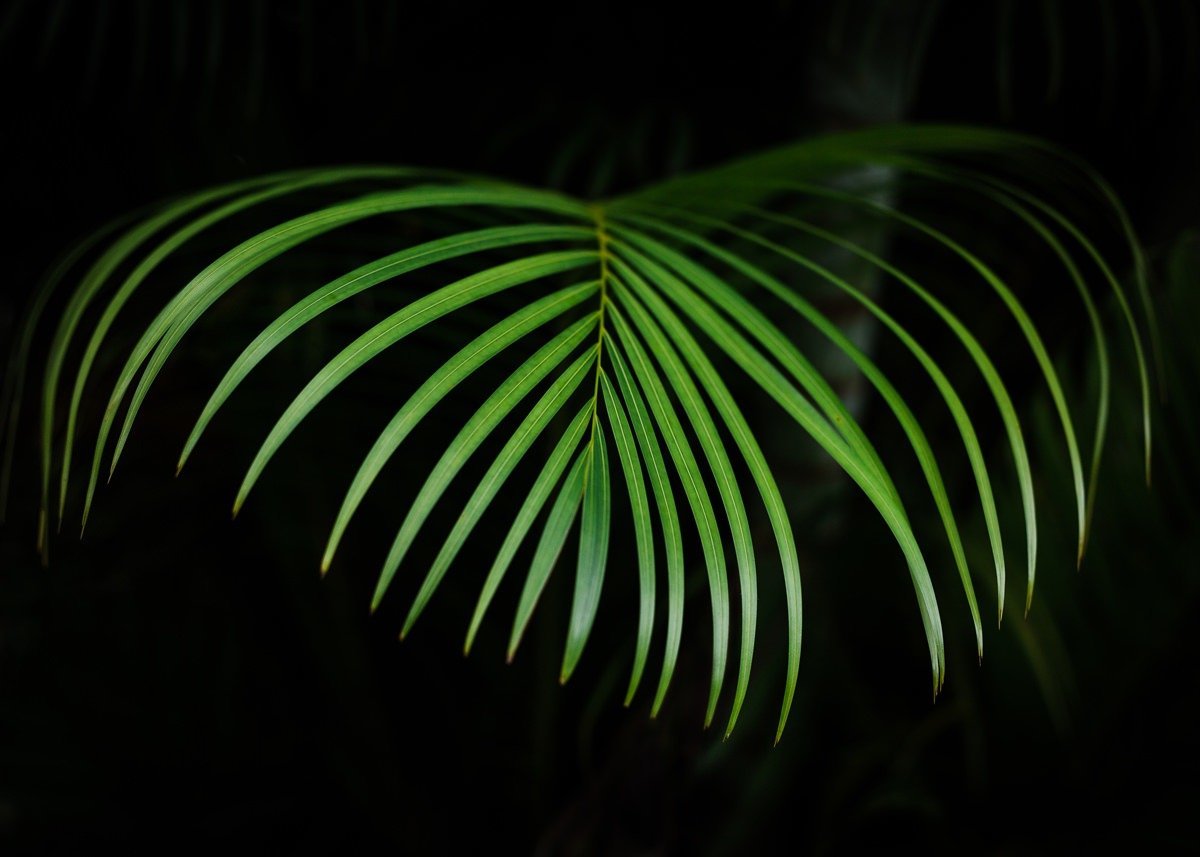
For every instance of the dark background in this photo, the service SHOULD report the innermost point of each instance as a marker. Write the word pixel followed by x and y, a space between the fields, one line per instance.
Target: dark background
pixel 178 680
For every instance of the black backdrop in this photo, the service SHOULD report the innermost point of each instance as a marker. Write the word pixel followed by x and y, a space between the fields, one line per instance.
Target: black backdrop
pixel 179 680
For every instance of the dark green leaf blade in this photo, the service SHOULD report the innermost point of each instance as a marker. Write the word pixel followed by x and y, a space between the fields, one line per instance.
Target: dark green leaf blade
pixel 593 549
pixel 275 187
pixel 692 480
pixel 539 493
pixel 357 281
pixel 774 342
pixel 448 376
pixel 668 518
pixel 550 545
pixel 182 312
pixel 493 480
pixel 394 328
pixel 16 371
pixel 643 526
pixel 664 350
pixel 480 426
pixel 712 383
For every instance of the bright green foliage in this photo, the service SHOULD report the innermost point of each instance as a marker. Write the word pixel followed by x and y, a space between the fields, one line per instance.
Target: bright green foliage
pixel 637 327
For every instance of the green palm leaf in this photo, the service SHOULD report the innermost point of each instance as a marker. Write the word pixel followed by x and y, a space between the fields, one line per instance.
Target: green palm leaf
pixel 124 248
pixel 355 282
pixel 593 550
pixel 556 463
pixel 1018 312
pixel 643 527
pixel 17 370
pixel 665 348
pixel 668 518
pixel 508 458
pixel 625 314
pixel 393 329
pixel 978 355
pixel 173 322
pixel 691 477
pixel 484 421
pixel 554 536
pixel 744 438
pixel 748 316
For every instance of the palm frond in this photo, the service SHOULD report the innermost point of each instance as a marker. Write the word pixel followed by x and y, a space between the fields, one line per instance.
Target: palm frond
pixel 638 324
